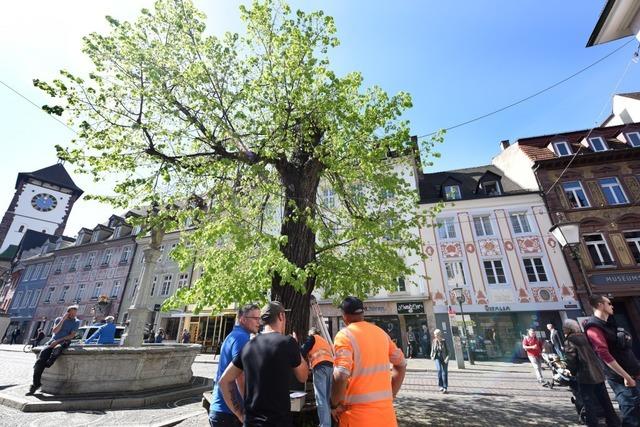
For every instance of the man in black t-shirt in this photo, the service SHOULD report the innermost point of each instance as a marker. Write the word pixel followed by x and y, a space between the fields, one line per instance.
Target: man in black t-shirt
pixel 267 362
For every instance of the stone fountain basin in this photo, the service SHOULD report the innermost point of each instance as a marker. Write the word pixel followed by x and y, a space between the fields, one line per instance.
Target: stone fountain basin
pixel 91 369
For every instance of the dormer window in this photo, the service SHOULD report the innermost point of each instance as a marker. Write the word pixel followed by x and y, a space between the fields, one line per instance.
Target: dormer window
pixel 452 192
pixel 597 144
pixel 491 188
pixel 562 148
pixel 633 138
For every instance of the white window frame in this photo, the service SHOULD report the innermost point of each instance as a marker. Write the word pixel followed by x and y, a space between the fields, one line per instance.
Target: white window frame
pixel 90 259
pixel 445 225
pixel 521 219
pixel 183 280
pixel 36 297
pixel 600 140
pixel 538 270
pixel 497 184
pixel 36 271
pixel 454 272
pixel 610 187
pixel 115 289
pixel 46 270
pixel 26 299
pixel 49 295
pixel 494 271
pixel 17 300
pixel 630 139
pixel 28 271
pixel 106 257
pixel 401 284
pixel 74 262
pixel 154 282
pixel 566 145
pixel 136 282
pixel 63 294
pixel 161 250
pixel 96 291
pixel 126 254
pixel 484 225
pixel 79 292
pixel 573 192
pixel 329 198
pixel 633 241
pixel 166 285
pixel 455 196
pixel 596 245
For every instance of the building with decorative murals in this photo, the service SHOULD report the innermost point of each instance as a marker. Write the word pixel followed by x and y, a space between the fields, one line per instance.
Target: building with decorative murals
pixel 491 239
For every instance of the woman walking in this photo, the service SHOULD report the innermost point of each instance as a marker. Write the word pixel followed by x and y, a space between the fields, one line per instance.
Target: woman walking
pixel 440 354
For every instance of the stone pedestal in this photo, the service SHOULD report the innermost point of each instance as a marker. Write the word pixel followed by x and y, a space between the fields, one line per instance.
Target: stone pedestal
pixel 94 369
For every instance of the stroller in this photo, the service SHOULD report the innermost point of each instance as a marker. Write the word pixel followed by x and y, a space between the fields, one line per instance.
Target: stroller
pixel 560 375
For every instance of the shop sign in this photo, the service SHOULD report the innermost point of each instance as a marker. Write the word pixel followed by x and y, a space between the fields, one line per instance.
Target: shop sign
pixel 615 279
pixel 374 308
pixel 410 307
pixel 492 308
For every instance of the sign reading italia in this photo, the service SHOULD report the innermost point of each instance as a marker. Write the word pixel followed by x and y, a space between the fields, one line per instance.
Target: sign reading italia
pixel 497 308
pixel 615 279
pixel 410 307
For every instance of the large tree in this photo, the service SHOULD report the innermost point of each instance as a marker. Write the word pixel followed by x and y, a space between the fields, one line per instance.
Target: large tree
pixel 285 169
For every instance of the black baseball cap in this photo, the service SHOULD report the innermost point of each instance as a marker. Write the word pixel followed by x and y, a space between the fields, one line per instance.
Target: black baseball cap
pixel 352 305
pixel 271 310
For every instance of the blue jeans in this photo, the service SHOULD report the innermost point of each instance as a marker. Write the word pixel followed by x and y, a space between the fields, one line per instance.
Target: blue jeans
pixel 443 375
pixel 223 419
pixel 629 401
pixel 322 378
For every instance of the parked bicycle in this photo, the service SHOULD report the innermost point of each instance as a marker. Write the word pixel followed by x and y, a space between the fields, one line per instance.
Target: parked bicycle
pixel 28 346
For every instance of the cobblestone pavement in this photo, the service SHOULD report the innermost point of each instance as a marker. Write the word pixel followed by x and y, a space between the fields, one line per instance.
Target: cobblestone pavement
pixel 487 394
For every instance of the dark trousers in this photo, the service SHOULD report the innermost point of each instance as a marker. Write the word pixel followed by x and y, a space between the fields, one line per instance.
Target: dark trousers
pixel 222 419
pixel 629 401
pixel 595 396
pixel 46 359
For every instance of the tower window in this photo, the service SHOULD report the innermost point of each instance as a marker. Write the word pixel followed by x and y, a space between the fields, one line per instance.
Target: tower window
pixel 21 229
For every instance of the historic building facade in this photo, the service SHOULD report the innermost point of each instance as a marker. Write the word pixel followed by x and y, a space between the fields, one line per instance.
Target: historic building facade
pixel 592 177
pixel 491 239
pixel 92 273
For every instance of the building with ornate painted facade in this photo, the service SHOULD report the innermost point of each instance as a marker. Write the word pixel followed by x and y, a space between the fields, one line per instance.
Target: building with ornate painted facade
pixel 491 239
pixel 92 273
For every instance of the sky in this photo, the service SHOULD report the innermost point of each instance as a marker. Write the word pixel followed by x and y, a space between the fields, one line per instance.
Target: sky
pixel 458 60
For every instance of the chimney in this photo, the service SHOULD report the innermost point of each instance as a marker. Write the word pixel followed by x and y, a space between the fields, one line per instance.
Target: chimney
pixel 504 144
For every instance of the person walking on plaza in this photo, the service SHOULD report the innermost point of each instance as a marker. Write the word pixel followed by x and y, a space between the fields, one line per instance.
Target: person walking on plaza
pixel 613 346
pixel 556 340
pixel 440 355
pixel 64 330
pixel 363 386
pixel 14 335
pixel 105 334
pixel 248 323
pixel 533 347
pixel 585 367
pixel 268 362
pixel 186 337
pixel 425 341
pixel 412 343
pixel 320 355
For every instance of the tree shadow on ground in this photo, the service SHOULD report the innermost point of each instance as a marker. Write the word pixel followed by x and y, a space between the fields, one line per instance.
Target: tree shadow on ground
pixel 460 410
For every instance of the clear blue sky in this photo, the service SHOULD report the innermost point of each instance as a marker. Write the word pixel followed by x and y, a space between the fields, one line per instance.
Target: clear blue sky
pixel 458 59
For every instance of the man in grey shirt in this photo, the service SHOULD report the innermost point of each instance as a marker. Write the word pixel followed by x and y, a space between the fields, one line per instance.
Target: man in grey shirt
pixel 64 329
pixel 556 340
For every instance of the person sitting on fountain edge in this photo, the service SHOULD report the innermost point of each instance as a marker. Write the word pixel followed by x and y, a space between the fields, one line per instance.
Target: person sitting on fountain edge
pixel 64 330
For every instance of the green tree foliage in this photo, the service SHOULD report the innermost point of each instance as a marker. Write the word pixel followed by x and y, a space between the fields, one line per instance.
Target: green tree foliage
pixel 282 166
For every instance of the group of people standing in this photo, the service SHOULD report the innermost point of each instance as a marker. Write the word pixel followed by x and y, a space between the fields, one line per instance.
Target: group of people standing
pixel 355 380
pixel 602 351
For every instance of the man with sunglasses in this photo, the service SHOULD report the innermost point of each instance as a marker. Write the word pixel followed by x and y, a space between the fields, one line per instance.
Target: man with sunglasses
pixel 613 346
pixel 248 323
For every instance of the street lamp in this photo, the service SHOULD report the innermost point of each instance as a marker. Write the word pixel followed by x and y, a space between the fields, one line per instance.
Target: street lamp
pixel 460 297
pixel 568 235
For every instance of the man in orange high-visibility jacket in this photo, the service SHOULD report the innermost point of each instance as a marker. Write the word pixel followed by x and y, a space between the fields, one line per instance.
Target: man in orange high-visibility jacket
pixel 363 383
pixel 320 356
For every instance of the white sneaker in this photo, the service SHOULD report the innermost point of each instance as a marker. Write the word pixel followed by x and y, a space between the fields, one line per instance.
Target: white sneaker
pixel 444 391
pixel 441 388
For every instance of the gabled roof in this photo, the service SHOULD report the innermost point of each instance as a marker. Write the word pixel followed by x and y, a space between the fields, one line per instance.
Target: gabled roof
pixel 536 147
pixel 54 174
pixel 430 184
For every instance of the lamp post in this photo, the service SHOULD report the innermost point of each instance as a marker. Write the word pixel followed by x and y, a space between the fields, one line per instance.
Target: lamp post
pixel 460 297
pixel 568 235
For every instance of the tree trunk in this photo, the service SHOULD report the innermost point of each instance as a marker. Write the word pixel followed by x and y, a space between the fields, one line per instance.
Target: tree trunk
pixel 301 188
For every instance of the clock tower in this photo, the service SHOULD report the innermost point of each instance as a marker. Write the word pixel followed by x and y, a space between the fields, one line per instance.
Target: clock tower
pixel 42 202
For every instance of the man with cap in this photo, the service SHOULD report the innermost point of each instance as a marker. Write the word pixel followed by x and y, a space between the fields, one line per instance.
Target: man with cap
pixel 267 362
pixel 363 385
pixel 105 334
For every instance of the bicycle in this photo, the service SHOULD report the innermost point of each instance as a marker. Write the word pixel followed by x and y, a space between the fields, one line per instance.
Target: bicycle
pixel 28 346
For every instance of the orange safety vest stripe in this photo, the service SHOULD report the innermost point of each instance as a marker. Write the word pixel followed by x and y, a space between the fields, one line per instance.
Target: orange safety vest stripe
pixel 320 352
pixel 371 355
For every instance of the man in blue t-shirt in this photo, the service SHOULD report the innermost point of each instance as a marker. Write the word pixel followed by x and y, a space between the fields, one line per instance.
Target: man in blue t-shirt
pixel 248 323
pixel 64 330
pixel 105 334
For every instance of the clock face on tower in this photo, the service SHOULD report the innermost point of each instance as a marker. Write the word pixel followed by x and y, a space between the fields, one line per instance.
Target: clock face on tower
pixel 44 202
